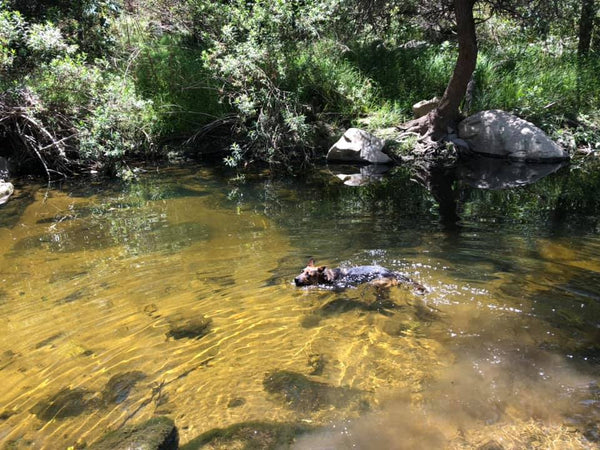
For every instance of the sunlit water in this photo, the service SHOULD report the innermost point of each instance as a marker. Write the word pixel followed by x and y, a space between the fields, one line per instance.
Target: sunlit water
pixel 173 296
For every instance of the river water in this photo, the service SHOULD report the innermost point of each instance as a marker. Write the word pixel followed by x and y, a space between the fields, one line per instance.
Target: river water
pixel 172 296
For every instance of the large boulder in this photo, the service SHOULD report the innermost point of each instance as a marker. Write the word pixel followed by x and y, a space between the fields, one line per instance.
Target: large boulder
pixel 498 133
pixel 358 146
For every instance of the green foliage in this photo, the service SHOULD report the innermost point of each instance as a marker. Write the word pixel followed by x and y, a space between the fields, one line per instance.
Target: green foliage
pixel 11 33
pixel 120 123
pixel 84 23
pixel 170 71
pixel 93 109
pixel 406 75
pixel 327 82
pixel 66 84
pixel 249 55
pixel 119 80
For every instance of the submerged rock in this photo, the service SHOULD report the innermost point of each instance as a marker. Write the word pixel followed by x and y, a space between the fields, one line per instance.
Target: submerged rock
pixel 118 387
pixel 499 133
pixel 249 435
pixel 65 403
pixel 358 146
pixel 194 328
pixel 305 395
pixel 236 402
pixel 158 433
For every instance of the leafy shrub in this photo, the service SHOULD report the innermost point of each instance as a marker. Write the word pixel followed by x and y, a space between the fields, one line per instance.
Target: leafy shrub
pixel 11 33
pixel 170 71
pixel 62 108
pixel 327 82
pixel 120 123
pixel 85 23
pixel 66 84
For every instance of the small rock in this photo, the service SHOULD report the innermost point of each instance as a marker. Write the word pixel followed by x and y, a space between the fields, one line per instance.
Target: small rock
pixel 6 190
pixel 302 394
pixel 119 386
pixel 65 403
pixel 358 146
pixel 425 107
pixel 491 445
pixel 236 402
pixel 194 328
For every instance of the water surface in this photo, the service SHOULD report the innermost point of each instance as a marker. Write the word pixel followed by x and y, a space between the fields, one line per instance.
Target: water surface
pixel 173 296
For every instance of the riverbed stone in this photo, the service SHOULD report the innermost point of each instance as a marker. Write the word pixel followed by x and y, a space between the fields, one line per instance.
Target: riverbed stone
pixel 158 433
pixel 6 190
pixel 181 327
pixel 501 134
pixel 302 394
pixel 119 386
pixel 358 146
pixel 250 435
pixel 65 403
pixel 425 107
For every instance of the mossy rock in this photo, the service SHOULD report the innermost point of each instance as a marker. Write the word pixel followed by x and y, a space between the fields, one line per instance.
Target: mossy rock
pixel 194 328
pixel 305 395
pixel 119 386
pixel 158 433
pixel 249 436
pixel 65 403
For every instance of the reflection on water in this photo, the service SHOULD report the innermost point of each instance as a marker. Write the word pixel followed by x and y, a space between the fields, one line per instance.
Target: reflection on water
pixel 173 296
pixel 494 173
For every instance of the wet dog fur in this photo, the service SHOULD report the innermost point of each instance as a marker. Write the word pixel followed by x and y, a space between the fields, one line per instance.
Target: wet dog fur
pixel 341 278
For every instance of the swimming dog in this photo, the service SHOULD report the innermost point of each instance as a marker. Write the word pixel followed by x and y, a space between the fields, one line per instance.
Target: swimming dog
pixel 342 278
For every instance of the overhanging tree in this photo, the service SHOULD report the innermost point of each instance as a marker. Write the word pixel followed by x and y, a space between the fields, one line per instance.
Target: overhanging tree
pixel 444 118
pixel 447 113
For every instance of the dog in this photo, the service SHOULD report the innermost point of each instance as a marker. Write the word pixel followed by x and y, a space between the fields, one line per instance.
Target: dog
pixel 341 278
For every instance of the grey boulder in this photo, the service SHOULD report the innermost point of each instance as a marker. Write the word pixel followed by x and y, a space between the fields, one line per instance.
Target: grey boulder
pixel 359 146
pixel 498 133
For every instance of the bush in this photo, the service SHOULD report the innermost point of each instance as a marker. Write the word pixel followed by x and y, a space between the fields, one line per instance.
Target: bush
pixel 62 109
pixel 170 71
pixel 120 124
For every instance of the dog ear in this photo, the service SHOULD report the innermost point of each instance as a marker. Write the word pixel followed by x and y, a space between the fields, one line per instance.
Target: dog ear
pixel 322 268
pixel 311 263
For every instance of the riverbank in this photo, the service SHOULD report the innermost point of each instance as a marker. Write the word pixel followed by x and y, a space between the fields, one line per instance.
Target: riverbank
pixel 260 83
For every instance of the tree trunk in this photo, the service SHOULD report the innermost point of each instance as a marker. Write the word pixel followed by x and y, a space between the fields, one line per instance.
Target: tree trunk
pixel 586 26
pixel 447 113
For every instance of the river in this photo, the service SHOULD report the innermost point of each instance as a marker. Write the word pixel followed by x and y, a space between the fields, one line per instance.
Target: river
pixel 173 296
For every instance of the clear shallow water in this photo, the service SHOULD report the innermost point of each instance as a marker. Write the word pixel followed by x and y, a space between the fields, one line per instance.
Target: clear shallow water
pixel 173 296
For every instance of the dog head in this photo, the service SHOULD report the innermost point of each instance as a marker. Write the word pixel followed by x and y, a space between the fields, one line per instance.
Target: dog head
pixel 312 275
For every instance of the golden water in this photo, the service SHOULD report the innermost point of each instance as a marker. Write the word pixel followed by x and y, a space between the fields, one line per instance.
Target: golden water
pixel 93 287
